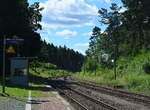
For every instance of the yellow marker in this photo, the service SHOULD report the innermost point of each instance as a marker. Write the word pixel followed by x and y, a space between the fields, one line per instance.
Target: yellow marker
pixel 11 50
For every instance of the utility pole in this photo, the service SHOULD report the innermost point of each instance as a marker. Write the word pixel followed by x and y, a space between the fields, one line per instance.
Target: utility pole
pixel 84 67
pixel 4 49
pixel 95 66
pixel 95 59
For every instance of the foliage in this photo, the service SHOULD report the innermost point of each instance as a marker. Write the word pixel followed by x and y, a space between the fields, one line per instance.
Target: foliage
pixel 36 64
pixel 146 67
pixel 93 42
pixel 63 57
pixel 90 65
pixel 46 70
pixel 20 20
pixel 130 73
pixel 126 32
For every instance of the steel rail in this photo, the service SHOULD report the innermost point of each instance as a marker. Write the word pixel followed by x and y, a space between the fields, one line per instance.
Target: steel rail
pixel 71 98
pixel 112 88
pixel 115 92
pixel 105 105
pixel 94 100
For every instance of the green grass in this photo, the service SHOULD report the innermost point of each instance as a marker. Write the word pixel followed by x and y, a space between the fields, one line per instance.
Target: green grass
pixel 18 91
pixel 14 91
pixel 42 92
pixel 130 73
pixel 47 70
pixel 37 77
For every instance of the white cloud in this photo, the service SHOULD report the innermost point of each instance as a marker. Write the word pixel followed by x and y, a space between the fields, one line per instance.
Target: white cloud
pixel 102 31
pixel 122 10
pixel 67 13
pixel 105 1
pixel 66 33
pixel 82 44
pixel 80 51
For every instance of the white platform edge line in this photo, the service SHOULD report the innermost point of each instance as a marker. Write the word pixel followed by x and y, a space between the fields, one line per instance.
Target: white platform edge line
pixel 28 104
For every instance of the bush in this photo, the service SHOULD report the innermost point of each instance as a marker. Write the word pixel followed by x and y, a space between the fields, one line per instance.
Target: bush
pixel 90 65
pixel 146 67
pixel 109 76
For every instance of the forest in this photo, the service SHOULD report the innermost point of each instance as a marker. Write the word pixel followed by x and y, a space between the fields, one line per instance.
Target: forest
pixel 127 32
pixel 63 57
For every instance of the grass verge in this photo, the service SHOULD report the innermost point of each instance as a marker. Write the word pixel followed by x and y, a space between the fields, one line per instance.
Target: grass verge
pixel 37 90
pixel 37 78
pixel 130 73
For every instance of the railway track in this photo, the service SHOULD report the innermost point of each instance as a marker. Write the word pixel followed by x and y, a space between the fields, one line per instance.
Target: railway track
pixel 130 96
pixel 83 100
pixel 107 106
pixel 81 106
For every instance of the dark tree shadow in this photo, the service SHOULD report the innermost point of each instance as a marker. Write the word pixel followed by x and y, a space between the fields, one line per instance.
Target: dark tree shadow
pixel 36 80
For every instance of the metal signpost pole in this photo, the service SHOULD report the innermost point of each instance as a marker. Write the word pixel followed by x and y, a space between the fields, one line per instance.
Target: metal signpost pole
pixel 4 49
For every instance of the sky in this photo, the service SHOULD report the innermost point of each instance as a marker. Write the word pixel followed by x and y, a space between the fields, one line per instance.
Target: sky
pixel 70 22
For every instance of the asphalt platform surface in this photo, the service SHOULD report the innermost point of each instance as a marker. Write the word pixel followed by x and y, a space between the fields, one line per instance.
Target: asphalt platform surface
pixel 12 103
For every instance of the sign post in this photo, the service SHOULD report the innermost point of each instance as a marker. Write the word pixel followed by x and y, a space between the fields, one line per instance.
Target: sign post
pixel 10 50
pixel 4 49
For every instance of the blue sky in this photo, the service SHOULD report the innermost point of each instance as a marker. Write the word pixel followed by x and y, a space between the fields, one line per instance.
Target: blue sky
pixel 70 22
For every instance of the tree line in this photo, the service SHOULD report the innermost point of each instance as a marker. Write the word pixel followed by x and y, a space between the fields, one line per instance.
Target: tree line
pixel 19 20
pixel 126 34
pixel 63 57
